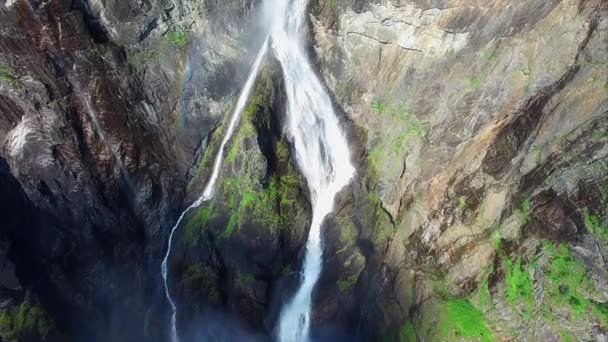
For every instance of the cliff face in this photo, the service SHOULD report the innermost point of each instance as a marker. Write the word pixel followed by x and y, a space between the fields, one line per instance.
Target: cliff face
pixel 104 108
pixel 485 129
pixel 479 129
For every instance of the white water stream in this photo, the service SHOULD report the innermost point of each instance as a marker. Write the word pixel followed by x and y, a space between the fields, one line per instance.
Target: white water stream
pixel 322 153
pixel 210 187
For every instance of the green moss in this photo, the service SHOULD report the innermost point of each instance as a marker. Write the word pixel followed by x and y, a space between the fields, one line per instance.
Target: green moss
pixel 201 278
pixel 484 297
pixel 407 333
pixel 139 59
pixel 462 203
pixel 566 280
pixel 496 239
pixel 378 106
pixel 595 226
pixel 269 207
pixel 567 336
pixel 375 157
pixel 347 283
pixel 475 82
pixel 196 224
pixel 460 319
pixel 491 54
pixel 24 320
pixel 176 38
pixel 244 280
pixel 7 75
pixel 518 283
pixel 600 312
pixel 524 212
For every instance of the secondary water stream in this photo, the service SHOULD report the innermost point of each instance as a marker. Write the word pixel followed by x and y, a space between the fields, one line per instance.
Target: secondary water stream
pixel 210 187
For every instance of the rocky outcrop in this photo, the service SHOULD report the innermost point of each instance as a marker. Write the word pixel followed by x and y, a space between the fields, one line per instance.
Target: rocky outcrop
pixel 238 252
pixel 104 108
pixel 484 129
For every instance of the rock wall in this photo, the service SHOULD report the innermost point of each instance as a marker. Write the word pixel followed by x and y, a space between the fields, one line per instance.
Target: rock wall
pixel 105 106
pixel 484 129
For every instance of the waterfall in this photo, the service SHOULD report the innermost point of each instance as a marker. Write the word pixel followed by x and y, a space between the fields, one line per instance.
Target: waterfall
pixel 321 152
pixel 210 187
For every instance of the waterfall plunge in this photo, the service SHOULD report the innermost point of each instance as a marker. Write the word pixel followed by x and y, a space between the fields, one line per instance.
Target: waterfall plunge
pixel 210 188
pixel 321 152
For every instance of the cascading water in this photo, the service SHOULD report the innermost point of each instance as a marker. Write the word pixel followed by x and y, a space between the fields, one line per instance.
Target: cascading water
pixel 210 187
pixel 321 152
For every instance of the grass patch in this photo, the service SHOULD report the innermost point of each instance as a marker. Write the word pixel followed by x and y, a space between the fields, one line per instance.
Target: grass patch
pixel 566 280
pixel 140 59
pixel 196 224
pixel 268 207
pixel 405 119
pixel 347 283
pixel 407 333
pixel 176 38
pixel 24 320
pixel 524 212
pixel 460 319
pixel 462 203
pixel 475 82
pixel 518 283
pixel 595 226
pixel 7 75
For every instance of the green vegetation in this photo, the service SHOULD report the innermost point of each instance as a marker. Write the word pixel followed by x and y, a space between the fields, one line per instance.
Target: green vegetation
pixel 491 54
pixel 407 333
pixel 524 212
pixel 24 319
pixel 462 202
pixel 459 318
pixel 176 38
pixel 496 239
pixel 140 59
pixel 566 287
pixel 408 126
pixel 378 106
pixel 7 74
pixel 475 82
pixel 196 223
pixel 595 226
pixel 347 283
pixel 483 293
pixel 518 283
pixel 566 281
pixel 244 280
pixel 538 151
pixel 240 194
pixel 201 277
pixel 375 157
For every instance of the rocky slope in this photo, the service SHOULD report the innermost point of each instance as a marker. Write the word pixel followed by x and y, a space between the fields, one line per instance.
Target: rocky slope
pixel 479 209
